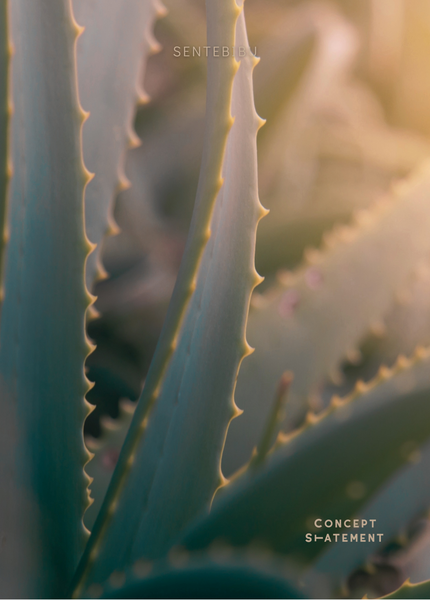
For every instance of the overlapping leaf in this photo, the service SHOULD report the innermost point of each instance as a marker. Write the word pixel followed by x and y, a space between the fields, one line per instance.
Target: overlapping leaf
pixel 43 343
pixel 218 575
pixel 405 497
pixel 111 56
pixel 318 316
pixel 378 429
pixel 175 441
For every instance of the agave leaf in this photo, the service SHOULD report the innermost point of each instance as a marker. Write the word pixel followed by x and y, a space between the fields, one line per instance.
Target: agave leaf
pixel 5 114
pixel 111 55
pixel 351 282
pixel 133 302
pixel 411 590
pixel 379 428
pixel 106 451
pixel 406 325
pixel 43 343
pixel 403 498
pixel 18 551
pixel 175 441
pixel 218 575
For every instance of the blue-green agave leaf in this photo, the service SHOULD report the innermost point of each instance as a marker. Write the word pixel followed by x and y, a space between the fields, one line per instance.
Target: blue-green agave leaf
pixel 317 316
pixel 19 559
pixel 175 441
pixel 111 55
pixel 218 575
pixel 379 428
pixel 43 342
pixel 405 497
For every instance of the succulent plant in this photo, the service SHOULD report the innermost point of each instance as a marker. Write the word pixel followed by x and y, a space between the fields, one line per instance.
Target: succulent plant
pixel 164 520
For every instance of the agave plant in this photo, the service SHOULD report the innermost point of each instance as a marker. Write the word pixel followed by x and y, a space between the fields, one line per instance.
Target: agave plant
pixel 167 523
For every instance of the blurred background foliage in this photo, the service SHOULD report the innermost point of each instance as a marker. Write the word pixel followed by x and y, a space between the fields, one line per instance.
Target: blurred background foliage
pixel 345 89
